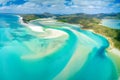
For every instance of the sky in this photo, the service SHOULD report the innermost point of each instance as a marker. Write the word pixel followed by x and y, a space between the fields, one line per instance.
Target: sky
pixel 60 6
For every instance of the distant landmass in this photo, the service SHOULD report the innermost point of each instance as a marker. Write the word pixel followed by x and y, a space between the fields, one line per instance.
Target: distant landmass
pixel 87 21
pixel 73 46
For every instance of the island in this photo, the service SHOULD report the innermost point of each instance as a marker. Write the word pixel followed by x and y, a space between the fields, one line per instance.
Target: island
pixel 32 42
pixel 88 22
pixel 91 23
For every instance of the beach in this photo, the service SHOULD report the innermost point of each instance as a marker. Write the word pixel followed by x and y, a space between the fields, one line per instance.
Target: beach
pixel 70 52
pixel 47 33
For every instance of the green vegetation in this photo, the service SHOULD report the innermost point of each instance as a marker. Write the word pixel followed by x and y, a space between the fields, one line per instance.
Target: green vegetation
pixel 87 22
pixel 84 21
pixel 90 22
pixel 27 18
pixel 94 23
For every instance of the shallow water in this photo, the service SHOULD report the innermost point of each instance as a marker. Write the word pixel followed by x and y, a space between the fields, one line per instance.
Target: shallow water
pixel 28 55
pixel 111 23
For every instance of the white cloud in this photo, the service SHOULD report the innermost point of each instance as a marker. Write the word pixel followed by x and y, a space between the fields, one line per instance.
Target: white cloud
pixel 24 8
pixel 46 2
pixel 2 2
pixel 57 6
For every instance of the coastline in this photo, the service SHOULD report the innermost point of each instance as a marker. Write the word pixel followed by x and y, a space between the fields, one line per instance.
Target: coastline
pixel 48 33
pixel 32 48
pixel 30 26
pixel 113 53
pixel 108 23
pixel 111 47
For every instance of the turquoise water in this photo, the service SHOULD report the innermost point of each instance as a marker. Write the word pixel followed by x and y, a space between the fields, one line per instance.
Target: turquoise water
pixel 27 55
pixel 112 23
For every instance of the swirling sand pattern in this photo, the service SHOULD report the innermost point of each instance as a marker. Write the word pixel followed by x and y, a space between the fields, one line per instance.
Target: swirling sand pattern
pixel 55 51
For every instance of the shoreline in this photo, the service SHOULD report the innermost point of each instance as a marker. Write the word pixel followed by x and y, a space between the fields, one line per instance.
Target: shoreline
pixel 48 33
pixel 30 26
pixel 111 47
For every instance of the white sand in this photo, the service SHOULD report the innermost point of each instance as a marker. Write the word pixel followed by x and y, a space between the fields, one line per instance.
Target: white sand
pixel 91 30
pixel 119 78
pixel 38 51
pixel 53 33
pixel 31 26
pixel 35 28
pixel 79 57
pixel 112 50
pixel 46 33
pixel 115 51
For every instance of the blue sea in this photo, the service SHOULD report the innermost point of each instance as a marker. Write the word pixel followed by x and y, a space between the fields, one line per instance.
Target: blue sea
pixel 111 23
pixel 29 55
